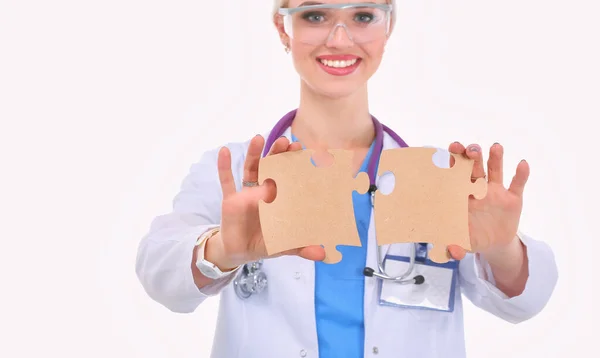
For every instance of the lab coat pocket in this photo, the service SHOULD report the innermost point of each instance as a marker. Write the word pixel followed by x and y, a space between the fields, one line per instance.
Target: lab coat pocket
pixel 430 296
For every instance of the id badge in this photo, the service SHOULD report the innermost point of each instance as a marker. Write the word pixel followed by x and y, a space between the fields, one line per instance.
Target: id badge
pixel 435 293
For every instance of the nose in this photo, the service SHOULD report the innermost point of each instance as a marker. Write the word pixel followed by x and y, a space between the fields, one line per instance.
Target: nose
pixel 340 37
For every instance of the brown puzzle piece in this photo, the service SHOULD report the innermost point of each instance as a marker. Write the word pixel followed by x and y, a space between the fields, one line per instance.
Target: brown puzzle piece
pixel 428 203
pixel 313 205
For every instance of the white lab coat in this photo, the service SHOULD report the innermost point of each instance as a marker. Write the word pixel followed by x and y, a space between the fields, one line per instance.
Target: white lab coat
pixel 281 321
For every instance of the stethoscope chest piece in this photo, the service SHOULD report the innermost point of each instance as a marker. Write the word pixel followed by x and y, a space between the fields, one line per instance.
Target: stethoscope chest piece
pixel 250 281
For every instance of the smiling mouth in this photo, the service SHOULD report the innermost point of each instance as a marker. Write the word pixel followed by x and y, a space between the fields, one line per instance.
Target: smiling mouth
pixel 338 63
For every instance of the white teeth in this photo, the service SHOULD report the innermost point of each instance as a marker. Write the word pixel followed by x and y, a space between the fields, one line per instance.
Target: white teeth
pixel 338 63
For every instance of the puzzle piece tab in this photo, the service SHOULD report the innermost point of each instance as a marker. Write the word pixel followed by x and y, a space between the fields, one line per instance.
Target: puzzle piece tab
pixel 428 204
pixel 313 205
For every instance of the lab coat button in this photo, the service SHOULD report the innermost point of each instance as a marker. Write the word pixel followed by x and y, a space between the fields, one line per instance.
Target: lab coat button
pixel 375 350
pixel 303 353
pixel 297 276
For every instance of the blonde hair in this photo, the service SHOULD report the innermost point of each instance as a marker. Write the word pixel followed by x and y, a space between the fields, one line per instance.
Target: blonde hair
pixel 282 3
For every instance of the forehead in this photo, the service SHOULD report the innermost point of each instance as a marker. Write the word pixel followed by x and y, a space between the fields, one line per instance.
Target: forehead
pixel 296 3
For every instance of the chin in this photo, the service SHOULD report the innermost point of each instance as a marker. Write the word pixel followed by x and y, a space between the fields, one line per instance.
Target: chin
pixel 337 76
pixel 335 90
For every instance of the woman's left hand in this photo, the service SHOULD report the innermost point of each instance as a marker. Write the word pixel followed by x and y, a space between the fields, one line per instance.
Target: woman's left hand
pixel 493 220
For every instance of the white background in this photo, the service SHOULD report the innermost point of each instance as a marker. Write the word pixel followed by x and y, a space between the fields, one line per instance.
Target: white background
pixel 104 106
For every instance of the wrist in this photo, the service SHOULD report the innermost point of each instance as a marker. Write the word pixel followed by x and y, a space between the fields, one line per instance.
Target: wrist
pixel 215 253
pixel 509 266
pixel 508 263
pixel 506 256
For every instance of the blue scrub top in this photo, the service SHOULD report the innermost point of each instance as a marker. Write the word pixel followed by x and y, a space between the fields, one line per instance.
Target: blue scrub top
pixel 339 289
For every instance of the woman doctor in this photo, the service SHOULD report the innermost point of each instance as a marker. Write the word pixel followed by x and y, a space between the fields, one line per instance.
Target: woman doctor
pixel 313 309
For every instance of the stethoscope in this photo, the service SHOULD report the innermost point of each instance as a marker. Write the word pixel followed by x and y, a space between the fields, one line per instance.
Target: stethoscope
pixel 252 280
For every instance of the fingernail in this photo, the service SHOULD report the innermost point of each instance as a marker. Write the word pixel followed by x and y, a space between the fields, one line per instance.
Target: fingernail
pixel 496 143
pixel 474 148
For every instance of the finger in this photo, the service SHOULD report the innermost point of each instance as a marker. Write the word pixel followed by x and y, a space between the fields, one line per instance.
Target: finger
pixel 269 191
pixel 295 146
pixel 456 148
pixel 279 146
pixel 495 164
pixel 225 174
pixel 266 192
pixel 517 185
pixel 314 253
pixel 253 159
pixel 457 252
pixel 474 152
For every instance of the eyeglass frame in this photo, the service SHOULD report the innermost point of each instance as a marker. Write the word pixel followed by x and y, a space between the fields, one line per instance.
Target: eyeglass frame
pixel 292 10
pixel 387 8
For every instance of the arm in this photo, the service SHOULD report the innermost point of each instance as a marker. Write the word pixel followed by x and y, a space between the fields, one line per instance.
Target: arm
pixel 215 253
pixel 509 267
pixel 166 254
pixel 515 289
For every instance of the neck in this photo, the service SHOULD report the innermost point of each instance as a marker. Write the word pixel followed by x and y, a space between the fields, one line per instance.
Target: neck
pixel 333 123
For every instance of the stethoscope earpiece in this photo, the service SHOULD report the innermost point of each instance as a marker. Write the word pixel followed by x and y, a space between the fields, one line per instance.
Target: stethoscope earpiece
pixel 417 280
pixel 368 272
pixel 402 279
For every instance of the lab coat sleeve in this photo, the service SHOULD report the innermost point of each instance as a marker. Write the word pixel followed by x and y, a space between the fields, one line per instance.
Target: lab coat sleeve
pixel 164 258
pixel 477 283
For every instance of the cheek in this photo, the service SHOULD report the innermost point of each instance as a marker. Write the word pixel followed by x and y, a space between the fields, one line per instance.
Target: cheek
pixel 375 51
pixel 303 55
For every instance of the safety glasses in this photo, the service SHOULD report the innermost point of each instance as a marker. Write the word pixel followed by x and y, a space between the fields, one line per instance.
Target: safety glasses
pixel 318 24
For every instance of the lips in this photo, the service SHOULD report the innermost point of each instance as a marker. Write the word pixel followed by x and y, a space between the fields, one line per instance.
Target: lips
pixel 339 65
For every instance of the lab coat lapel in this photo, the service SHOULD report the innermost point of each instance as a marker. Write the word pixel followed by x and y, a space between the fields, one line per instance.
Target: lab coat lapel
pixel 288 133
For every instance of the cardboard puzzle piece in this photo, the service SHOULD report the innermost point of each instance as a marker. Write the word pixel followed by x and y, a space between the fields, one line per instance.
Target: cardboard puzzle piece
pixel 428 203
pixel 313 204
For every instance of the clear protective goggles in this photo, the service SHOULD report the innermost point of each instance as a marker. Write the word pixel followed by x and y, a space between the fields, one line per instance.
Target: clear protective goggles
pixel 319 24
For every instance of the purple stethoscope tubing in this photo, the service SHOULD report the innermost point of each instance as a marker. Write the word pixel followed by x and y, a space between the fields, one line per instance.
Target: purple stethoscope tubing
pixel 286 121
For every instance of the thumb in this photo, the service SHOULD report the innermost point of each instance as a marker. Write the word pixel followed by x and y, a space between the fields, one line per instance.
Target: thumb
pixel 457 252
pixel 313 253
pixel 295 147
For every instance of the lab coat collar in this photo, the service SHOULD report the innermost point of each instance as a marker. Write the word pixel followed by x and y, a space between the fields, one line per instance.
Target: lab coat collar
pixel 388 141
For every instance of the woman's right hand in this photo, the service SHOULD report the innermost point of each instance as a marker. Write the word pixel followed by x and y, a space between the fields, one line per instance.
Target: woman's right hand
pixel 240 239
